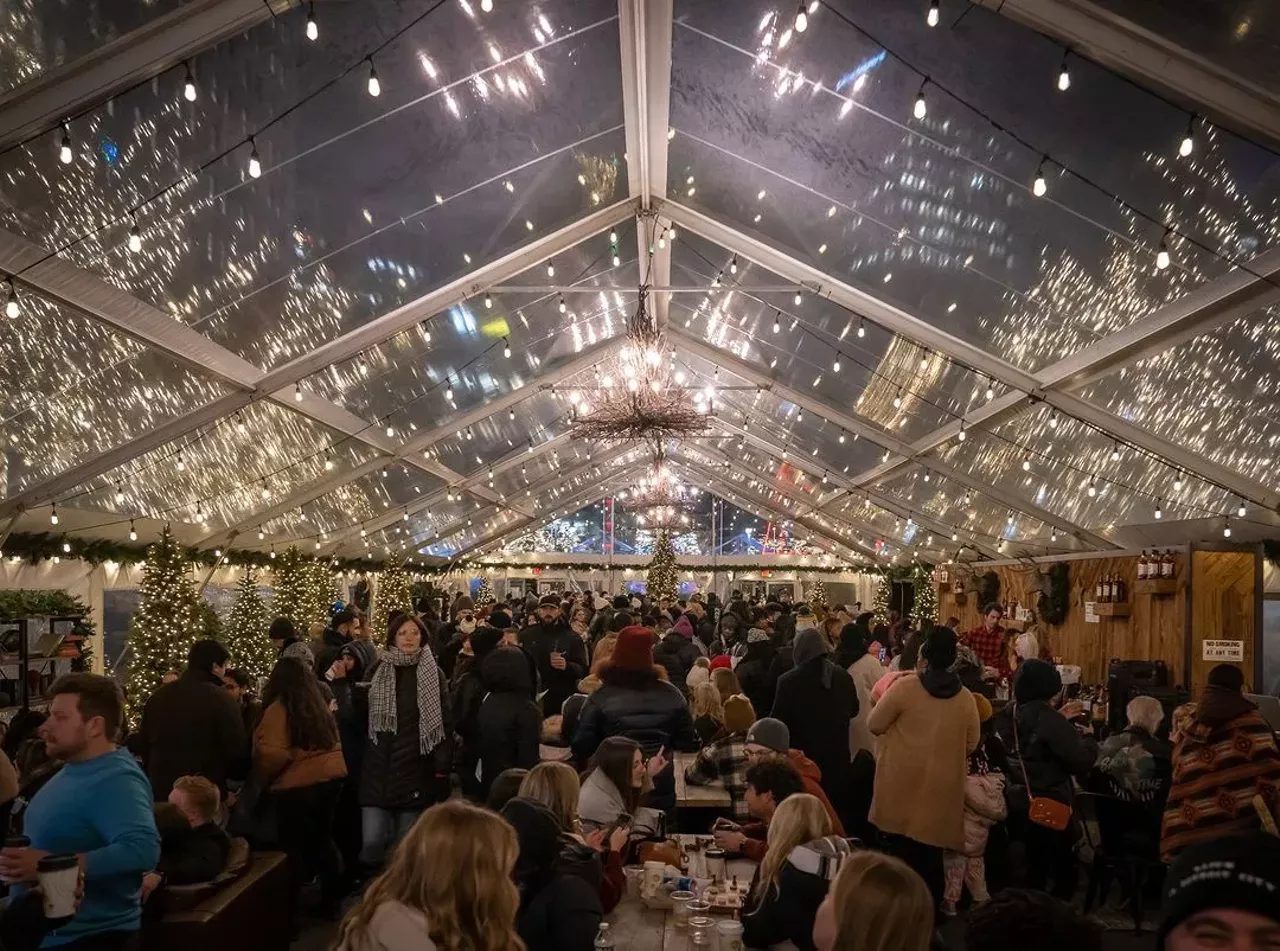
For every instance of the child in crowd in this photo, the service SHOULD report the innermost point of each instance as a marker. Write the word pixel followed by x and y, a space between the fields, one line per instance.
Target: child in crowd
pixel 984 806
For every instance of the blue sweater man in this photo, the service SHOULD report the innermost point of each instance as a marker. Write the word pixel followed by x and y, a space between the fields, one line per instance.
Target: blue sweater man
pixel 98 807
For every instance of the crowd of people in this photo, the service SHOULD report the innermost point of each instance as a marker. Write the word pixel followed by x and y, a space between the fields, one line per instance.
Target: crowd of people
pixel 480 775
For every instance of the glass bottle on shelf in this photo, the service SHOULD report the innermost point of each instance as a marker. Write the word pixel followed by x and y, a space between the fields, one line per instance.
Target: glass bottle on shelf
pixel 1143 566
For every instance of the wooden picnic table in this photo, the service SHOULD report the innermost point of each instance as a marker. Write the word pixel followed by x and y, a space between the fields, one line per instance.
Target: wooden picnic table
pixel 689 796
pixel 637 927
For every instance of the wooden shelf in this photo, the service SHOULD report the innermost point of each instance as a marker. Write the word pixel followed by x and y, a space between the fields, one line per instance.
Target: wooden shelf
pixel 1159 587
pixel 1114 609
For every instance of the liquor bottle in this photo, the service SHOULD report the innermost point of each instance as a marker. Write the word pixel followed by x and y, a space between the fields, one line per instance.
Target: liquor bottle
pixel 1097 591
pixel 1166 565
pixel 604 940
pixel 1121 590
pixel 1142 566
pixel 1108 590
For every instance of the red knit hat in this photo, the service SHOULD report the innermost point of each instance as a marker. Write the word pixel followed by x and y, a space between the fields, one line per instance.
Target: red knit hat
pixel 721 660
pixel 634 650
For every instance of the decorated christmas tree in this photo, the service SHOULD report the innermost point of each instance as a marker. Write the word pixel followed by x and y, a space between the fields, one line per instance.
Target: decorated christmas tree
pixel 291 588
pixel 484 593
pixel 393 593
pixel 321 592
pixel 880 606
pixel 661 575
pixel 816 593
pixel 245 633
pixel 166 622
pixel 926 603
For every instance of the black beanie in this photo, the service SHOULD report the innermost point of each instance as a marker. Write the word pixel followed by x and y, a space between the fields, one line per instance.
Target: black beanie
pixel 500 620
pixel 939 648
pixel 281 629
pixel 1036 680
pixel 1241 873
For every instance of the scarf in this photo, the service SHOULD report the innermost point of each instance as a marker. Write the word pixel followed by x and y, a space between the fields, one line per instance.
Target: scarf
pixel 382 697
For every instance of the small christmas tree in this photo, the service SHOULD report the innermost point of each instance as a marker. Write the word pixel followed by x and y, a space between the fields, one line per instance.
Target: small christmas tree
pixel 661 577
pixel 484 593
pixel 393 593
pixel 321 592
pixel 291 589
pixel 166 623
pixel 817 594
pixel 245 633
pixel 880 606
pixel 926 602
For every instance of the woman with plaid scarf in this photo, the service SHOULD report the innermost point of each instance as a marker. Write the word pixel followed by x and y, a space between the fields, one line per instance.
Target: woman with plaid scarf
pixel 408 752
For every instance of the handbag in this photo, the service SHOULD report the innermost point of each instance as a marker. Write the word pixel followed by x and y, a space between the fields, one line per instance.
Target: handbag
pixel 1041 810
pixel 254 815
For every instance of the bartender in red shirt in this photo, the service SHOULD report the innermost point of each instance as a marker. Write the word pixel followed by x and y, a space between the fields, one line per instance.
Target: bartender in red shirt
pixel 988 641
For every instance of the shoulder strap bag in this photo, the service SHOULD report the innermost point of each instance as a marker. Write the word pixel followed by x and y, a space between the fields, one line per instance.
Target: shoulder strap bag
pixel 1042 810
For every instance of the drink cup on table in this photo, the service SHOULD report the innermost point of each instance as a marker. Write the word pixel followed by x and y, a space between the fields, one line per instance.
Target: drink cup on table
pixel 680 909
pixel 59 880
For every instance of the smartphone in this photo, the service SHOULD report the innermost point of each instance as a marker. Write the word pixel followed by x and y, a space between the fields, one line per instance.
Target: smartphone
pixel 624 819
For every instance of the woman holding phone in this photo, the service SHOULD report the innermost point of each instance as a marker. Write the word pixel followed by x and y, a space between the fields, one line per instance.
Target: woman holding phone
pixel 617 782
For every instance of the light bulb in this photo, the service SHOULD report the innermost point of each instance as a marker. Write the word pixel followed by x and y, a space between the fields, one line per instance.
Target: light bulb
pixel 1177 482
pixel 486 6
pixel 1053 419
pixel 488 302
pixel 733 265
pixel 1093 488
pixel 613 237
pixel 261 534
pixel 798 298
pixel 1064 79
pixel 189 87
pixel 506 348
pixel 802 19
pixel 897 400
pixel 862 329
pixel 1162 256
pixel 991 392
pixel 1026 463
pixel 313 31
pixel 1226 528
pixel 448 393
pixel 297 392
pixel 181 465
pixel 563 306
pixel 135 239
pixel 1038 187
pixel 391 431
pixel 133 532
pixel 1115 453
pixel 1241 511
pixel 11 308
pixel 328 462
pixel 842 437
pixel 1188 144
pixel 64 151
pixel 1158 513
pixel 255 164
pixel 119 492
pixel 617 260
pixel 375 90
pixel 933 15
pixel 961 436
pixel 53 516
pixel 835 366
pixel 920 109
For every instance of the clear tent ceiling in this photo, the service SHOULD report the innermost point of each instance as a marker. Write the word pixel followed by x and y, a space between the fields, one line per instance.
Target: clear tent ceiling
pixel 376 345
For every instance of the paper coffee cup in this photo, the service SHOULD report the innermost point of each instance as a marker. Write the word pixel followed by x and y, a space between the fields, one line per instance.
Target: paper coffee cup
pixel 59 876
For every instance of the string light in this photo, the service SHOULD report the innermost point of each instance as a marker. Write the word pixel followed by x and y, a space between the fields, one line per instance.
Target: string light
pixel 1053 419
pixel 182 464
pixel 328 461
pixel 961 435
pixel 506 348
pixel 133 532
pixel 255 163
pixel 777 323
pixel 1177 481
pixel 1226 527
pixel 261 533
pixel 313 31
pixel 835 366
pixel 1188 143
pixel 135 237
pixel 11 308
pixel 119 493
pixel 488 302
pixel 920 109
pixel 1064 77
pixel 862 328
pixel 1158 512
pixel 375 88
pixel 1115 452
pixel 1242 511
pixel 53 515
pixel 486 6
pixel 189 86
pixel 297 392
pixel 991 390
pixel 802 19
pixel 934 14
pixel 1038 187
pixel 1162 255
pixel 563 306
pixel 64 150
pixel 799 298
pixel 1026 463
pixel 733 265
pixel 1093 487
pixel 448 392
pixel 897 399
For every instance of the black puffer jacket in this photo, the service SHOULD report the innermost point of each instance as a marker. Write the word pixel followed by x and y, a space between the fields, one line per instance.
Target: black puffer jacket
pixel 508 723
pixel 677 654
pixel 787 912
pixel 652 714
pixel 753 676
pixel 394 774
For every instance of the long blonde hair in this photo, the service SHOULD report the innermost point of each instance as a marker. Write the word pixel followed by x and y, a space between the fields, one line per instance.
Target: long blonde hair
pixel 800 818
pixel 454 866
pixel 726 682
pixel 705 702
pixel 556 786
pixel 881 904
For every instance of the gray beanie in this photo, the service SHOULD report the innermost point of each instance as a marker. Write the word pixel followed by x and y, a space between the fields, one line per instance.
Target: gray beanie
pixel 770 733
pixel 301 652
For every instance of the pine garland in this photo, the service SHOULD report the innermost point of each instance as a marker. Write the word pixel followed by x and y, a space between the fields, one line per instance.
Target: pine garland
pixel 165 624
pixel 661 575
pixel 246 629
pixel 393 593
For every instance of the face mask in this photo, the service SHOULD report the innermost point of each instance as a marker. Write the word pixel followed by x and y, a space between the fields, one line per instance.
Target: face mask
pixel 467 626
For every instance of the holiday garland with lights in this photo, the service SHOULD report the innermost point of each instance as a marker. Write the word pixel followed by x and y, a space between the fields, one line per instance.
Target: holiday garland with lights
pixel 245 633
pixel 661 575
pixel 166 623
pixel 394 592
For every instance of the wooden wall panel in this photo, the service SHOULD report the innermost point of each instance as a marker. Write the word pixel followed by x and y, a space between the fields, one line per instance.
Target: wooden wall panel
pixel 1155 629
pixel 1223 607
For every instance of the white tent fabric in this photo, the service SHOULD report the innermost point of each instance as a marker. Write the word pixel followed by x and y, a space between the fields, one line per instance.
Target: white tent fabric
pixel 913 351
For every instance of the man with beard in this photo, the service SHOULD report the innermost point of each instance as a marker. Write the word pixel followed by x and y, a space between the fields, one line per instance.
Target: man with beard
pixel 560 655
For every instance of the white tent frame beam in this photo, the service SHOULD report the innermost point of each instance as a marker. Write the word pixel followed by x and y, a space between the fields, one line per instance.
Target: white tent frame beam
pixel 42 103
pixel 645 33
pixel 925 334
pixel 1152 60
pixel 746 371
pixel 93 297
